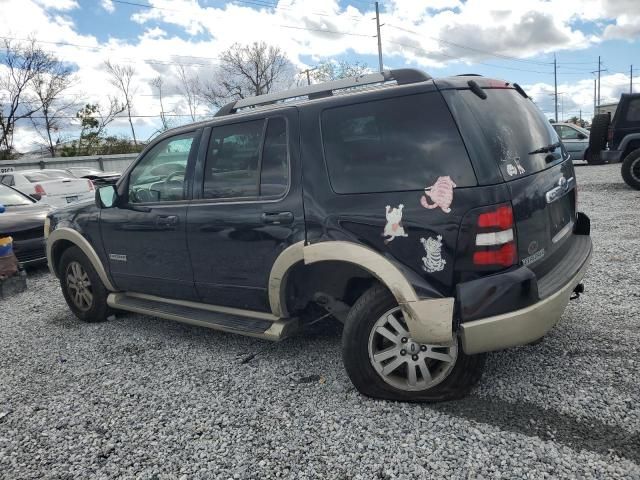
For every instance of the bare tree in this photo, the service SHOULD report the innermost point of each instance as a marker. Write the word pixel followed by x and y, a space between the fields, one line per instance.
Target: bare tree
pixel 158 83
pixel 248 70
pixel 190 89
pixel 22 62
pixel 121 76
pixel 331 70
pixel 48 87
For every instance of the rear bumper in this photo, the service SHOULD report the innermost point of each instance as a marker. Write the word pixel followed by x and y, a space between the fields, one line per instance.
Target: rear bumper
pixel 525 325
pixel 610 156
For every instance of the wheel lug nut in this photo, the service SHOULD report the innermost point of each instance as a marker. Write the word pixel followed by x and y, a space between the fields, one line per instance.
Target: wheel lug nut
pixel 403 352
pixel 423 348
pixel 414 358
pixel 405 339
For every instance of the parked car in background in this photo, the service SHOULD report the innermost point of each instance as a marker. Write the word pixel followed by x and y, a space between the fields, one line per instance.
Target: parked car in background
pixel 98 177
pixel 23 220
pixel 55 187
pixel 575 139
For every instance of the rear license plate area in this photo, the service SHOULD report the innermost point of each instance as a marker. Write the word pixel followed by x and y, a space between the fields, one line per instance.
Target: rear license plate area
pixel 72 199
pixel 560 215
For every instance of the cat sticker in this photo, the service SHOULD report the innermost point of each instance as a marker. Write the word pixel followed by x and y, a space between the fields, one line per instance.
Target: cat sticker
pixel 393 228
pixel 433 261
pixel 440 193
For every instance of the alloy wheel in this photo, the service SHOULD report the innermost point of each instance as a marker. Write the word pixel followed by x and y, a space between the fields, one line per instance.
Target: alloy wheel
pixel 403 363
pixel 79 286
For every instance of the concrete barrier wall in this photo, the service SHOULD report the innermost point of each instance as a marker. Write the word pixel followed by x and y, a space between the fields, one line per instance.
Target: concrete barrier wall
pixel 107 163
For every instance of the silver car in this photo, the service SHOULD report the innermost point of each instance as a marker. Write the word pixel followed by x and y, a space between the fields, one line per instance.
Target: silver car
pixel 575 139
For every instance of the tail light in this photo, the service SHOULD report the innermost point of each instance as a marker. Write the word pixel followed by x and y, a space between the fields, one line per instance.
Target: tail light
pixel 91 186
pixel 39 190
pixel 610 134
pixel 495 240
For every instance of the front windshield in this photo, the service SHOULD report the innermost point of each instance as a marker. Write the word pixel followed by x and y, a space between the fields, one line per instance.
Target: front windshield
pixel 11 198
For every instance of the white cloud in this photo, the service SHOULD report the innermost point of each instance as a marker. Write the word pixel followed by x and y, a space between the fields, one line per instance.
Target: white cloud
pixel 108 5
pixel 58 4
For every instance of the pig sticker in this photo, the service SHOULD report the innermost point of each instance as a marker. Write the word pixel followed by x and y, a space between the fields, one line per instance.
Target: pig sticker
pixel 433 261
pixel 440 193
pixel 393 228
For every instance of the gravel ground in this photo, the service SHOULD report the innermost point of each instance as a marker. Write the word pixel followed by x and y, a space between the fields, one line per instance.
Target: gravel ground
pixel 139 397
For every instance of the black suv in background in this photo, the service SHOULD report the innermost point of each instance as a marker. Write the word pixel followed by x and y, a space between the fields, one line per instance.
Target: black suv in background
pixel 622 134
pixel 436 218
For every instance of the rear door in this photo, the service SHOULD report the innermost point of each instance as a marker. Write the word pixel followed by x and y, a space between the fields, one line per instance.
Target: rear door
pixel 536 168
pixel 247 207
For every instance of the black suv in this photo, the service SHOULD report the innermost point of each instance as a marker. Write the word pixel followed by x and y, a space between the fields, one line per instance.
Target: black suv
pixel 435 218
pixel 623 137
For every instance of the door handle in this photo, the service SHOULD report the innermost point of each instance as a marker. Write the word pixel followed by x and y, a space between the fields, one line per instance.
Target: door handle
pixel 277 218
pixel 166 220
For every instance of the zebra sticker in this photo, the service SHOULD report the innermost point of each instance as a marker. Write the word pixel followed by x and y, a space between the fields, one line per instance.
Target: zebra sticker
pixel 433 261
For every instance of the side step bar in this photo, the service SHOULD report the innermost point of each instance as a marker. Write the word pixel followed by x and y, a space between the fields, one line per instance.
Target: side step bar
pixel 243 322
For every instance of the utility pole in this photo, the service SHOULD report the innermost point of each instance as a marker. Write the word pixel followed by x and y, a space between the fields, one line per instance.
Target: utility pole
pixel 599 79
pixel 379 39
pixel 555 83
pixel 307 72
pixel 594 97
pixel 631 79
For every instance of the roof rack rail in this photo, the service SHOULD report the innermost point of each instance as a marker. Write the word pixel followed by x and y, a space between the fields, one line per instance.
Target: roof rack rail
pixel 402 76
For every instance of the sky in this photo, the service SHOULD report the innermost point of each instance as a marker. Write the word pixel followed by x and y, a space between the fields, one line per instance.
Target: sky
pixel 512 40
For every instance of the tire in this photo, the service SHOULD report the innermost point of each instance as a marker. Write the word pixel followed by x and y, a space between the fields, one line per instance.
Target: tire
pixel 631 169
pixel 451 379
pixel 598 138
pixel 75 268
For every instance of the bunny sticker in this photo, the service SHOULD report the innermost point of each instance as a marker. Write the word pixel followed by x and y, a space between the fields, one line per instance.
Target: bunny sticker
pixel 393 228
pixel 440 193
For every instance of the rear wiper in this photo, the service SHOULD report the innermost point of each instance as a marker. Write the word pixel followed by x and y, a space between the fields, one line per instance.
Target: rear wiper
pixel 547 149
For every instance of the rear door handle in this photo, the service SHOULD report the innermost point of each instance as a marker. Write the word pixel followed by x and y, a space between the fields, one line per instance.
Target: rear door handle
pixel 167 220
pixel 277 218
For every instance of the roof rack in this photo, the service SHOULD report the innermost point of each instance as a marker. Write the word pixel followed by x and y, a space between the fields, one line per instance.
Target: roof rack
pixel 402 76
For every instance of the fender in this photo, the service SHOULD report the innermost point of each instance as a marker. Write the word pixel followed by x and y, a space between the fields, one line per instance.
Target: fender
pixel 73 236
pixel 429 320
pixel 626 140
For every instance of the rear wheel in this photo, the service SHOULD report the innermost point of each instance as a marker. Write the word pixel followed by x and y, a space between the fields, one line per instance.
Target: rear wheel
pixel 598 138
pixel 383 361
pixel 82 288
pixel 631 169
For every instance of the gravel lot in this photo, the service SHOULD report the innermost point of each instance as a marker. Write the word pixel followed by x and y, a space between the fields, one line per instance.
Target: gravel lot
pixel 139 397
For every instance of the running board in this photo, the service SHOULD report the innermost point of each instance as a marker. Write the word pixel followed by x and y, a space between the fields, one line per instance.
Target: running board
pixel 232 320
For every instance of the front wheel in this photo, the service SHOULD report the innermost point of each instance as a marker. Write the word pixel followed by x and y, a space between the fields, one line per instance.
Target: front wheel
pixel 383 361
pixel 631 169
pixel 82 288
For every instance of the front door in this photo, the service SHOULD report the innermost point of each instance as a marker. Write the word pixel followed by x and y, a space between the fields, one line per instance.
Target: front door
pixel 144 235
pixel 247 208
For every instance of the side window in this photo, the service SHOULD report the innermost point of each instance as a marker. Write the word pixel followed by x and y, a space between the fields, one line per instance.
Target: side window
pixel 633 111
pixel 231 169
pixel 396 144
pixel 6 179
pixel 274 174
pixel 568 133
pixel 160 175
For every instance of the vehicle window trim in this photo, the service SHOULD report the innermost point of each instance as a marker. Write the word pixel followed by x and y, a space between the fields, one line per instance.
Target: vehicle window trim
pixel 252 199
pixel 188 175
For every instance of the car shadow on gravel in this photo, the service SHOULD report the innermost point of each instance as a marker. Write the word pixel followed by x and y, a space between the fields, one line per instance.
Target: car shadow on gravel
pixel 547 424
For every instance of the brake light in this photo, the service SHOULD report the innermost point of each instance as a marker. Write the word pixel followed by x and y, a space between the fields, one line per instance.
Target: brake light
pixel 501 218
pixel 495 240
pixel 91 187
pixel 39 190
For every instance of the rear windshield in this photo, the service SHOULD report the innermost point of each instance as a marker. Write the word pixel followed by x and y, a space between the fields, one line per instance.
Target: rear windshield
pixel 513 127
pixel 401 143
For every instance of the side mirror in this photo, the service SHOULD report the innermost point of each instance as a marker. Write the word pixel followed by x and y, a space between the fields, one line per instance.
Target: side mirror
pixel 106 196
pixel 581 136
